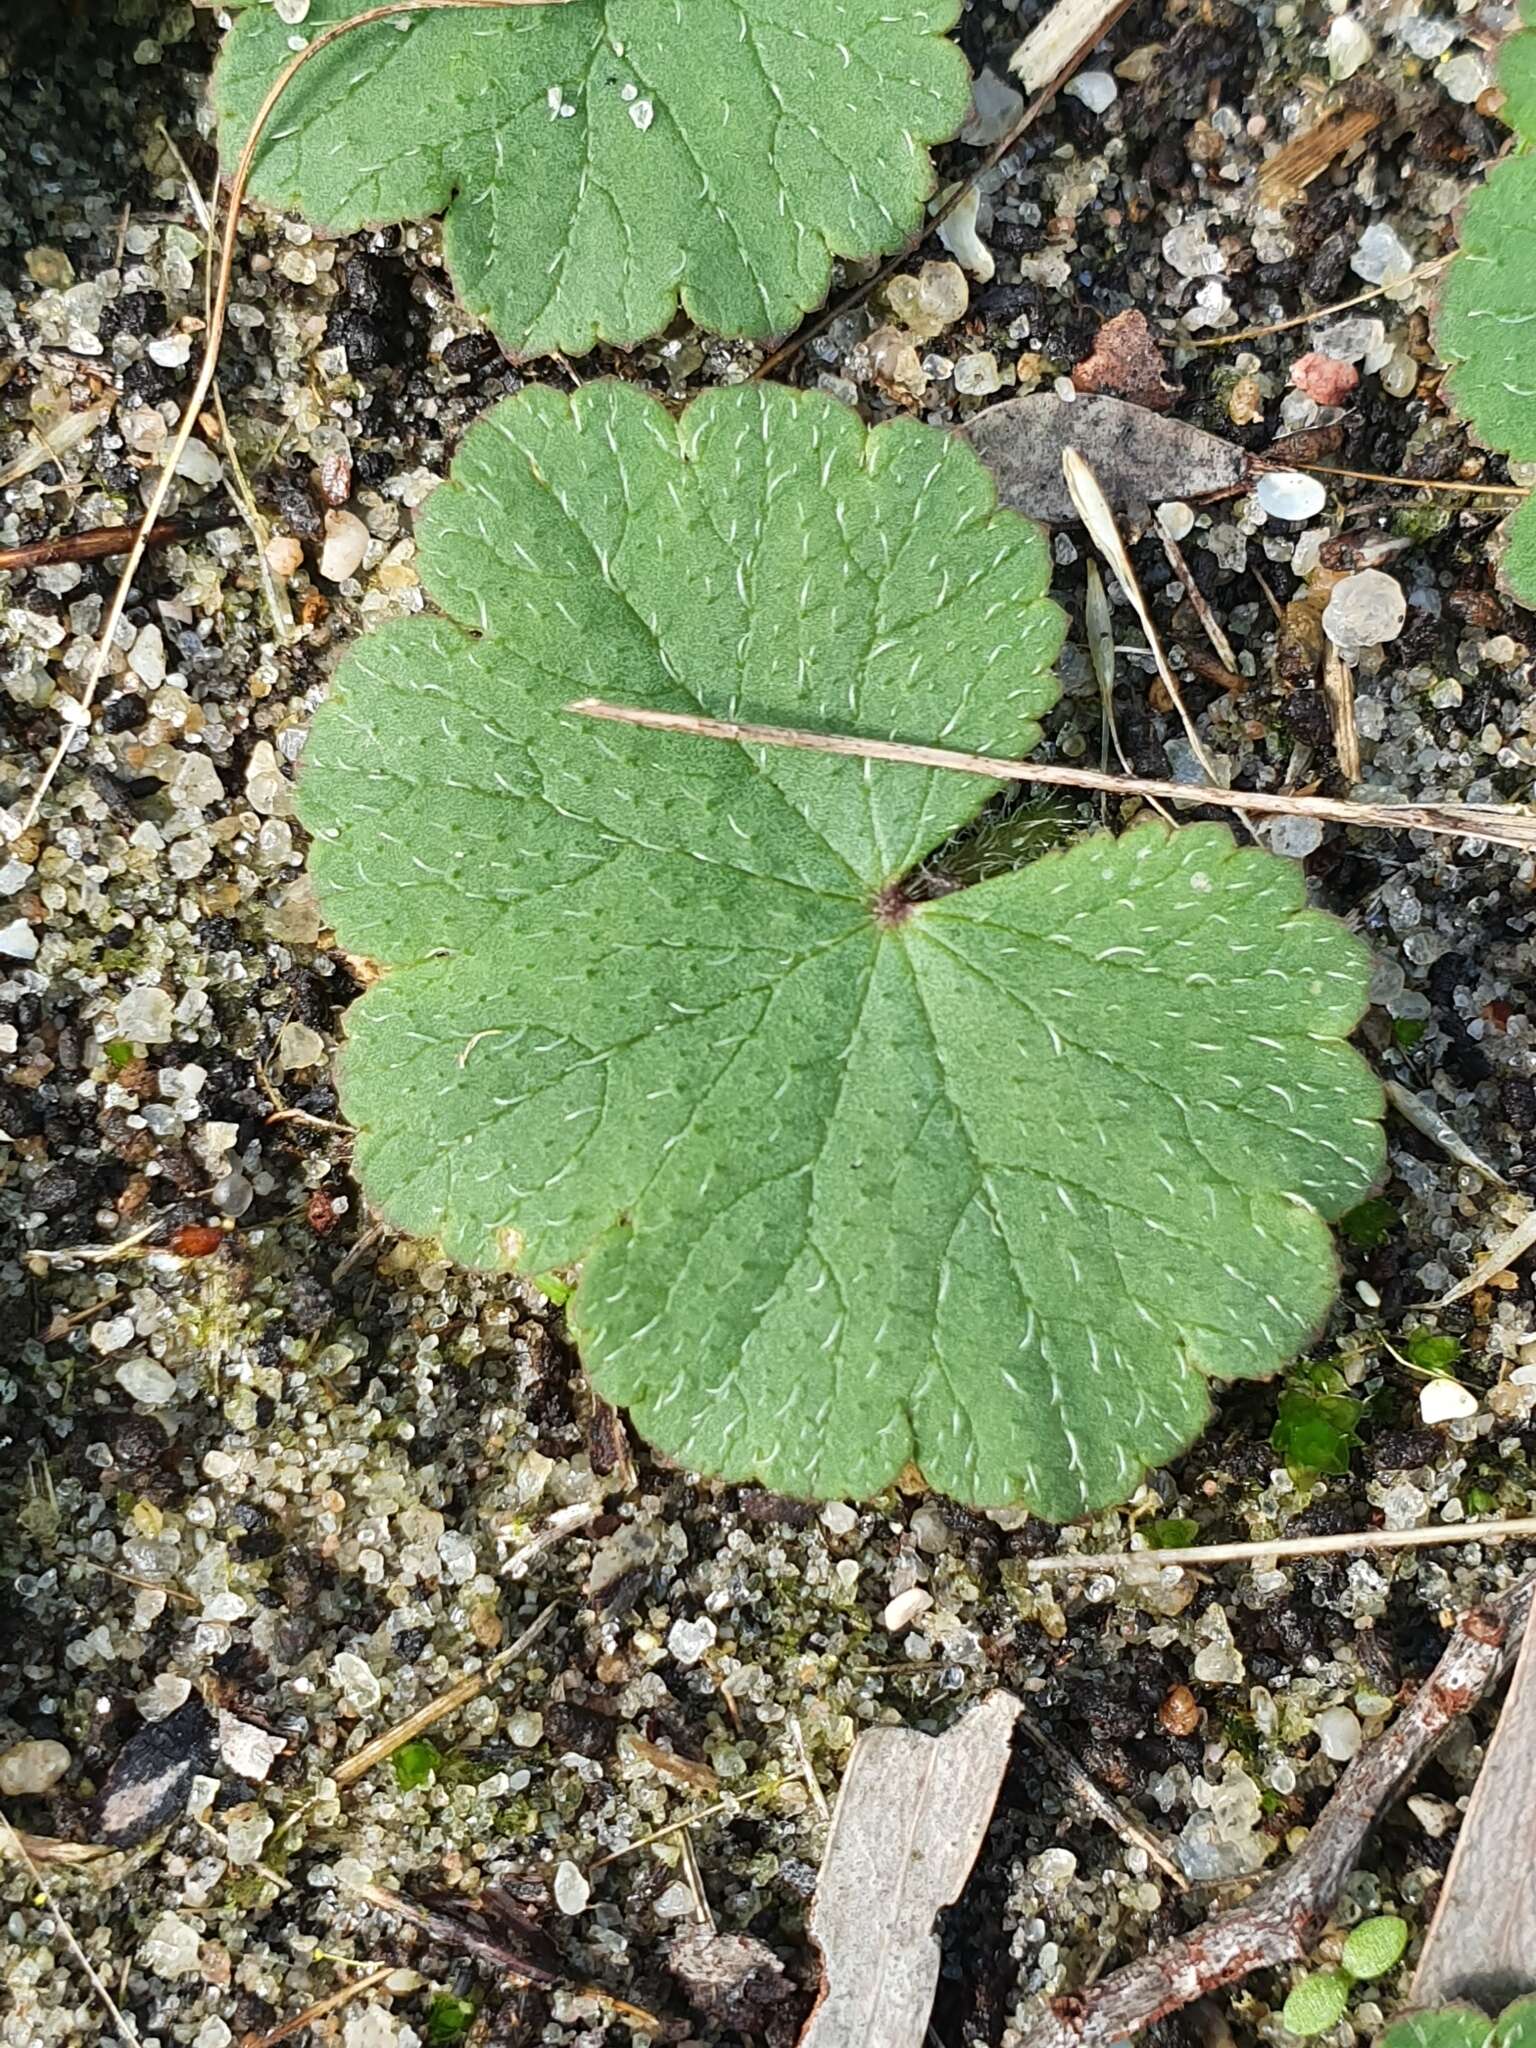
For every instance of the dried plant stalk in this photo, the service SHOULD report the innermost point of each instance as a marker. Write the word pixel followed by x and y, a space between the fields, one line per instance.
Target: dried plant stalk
pixel 80 711
pixel 1494 824
pixel 1291 170
pixel 1512 1529
pixel 1285 1915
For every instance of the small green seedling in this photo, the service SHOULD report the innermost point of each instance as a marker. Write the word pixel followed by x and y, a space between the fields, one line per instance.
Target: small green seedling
pixel 416 1763
pixel 1489 302
pixel 1431 1352
pixel 1315 1433
pixel 993 1181
pixel 600 161
pixel 1319 2000
pixel 1370 1223
pixel 448 2020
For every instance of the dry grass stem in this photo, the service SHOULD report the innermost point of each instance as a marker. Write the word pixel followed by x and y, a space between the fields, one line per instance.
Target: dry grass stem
pixel 320 2010
pixel 1499 1260
pixel 80 712
pixel 36 1850
pixel 1098 21
pixel 240 490
pixel 1400 483
pixel 1210 624
pixel 18 1848
pixel 1289 172
pixel 1087 494
pixel 1339 689
pixel 478 1937
pixel 1376 291
pixel 1432 1125
pixel 1496 826
pixel 1518 1529
pixel 384 1746
pixel 1094 510
pixel 93 545
pixel 1086 1788
pixel 733 1804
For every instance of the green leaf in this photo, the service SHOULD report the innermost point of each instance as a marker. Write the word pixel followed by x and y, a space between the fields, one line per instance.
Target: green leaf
pixel 1431 1352
pixel 1464 2026
pixel 1372 1948
pixel 1317 2002
pixel 1516 2025
pixel 1369 1224
pixel 1450 2026
pixel 1488 305
pixel 415 1764
pixel 1314 1433
pixel 1173 1534
pixel 992 1181
pixel 448 2020
pixel 601 160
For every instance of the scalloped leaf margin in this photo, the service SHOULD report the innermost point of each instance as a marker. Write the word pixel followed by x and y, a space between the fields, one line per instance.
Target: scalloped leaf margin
pixel 602 161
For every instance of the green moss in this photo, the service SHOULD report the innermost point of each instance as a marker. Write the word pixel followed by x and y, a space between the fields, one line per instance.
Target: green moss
pixel 1421 523
pixel 416 1763
pixel 448 2020
pixel 519 1818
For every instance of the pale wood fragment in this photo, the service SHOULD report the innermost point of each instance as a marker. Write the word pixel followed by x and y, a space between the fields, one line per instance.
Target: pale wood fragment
pixel 1482 1941
pixel 909 1820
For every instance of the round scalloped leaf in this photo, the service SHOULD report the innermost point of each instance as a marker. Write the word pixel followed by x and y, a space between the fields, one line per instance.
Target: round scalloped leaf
pixel 1516 2025
pixel 1486 326
pixel 1488 312
pixel 1445 2026
pixel 600 160
pixel 992 1181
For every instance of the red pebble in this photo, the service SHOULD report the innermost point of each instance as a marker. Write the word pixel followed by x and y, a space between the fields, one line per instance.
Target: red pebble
pixel 195 1240
pixel 1324 379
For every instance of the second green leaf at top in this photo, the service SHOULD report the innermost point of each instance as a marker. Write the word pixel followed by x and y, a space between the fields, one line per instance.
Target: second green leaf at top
pixel 992 1181
pixel 599 161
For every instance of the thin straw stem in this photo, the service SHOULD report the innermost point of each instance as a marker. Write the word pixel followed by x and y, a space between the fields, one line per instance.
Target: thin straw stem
pixel 1323 312
pixel 1519 1529
pixel 80 712
pixel 1499 827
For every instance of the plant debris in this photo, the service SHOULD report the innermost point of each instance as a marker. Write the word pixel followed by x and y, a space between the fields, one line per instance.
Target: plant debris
pixel 910 1817
pixel 1141 458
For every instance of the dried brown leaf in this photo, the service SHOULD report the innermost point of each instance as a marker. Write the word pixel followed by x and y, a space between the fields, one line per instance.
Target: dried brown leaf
pixel 1127 363
pixel 1139 457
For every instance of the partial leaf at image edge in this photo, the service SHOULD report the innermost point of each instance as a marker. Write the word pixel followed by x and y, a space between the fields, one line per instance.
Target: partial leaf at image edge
pixel 1488 305
pixel 602 160
pixel 995 1181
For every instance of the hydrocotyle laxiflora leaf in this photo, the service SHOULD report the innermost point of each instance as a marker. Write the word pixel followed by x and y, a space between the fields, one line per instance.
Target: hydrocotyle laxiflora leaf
pixel 994 1181
pixel 1486 328
pixel 600 160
